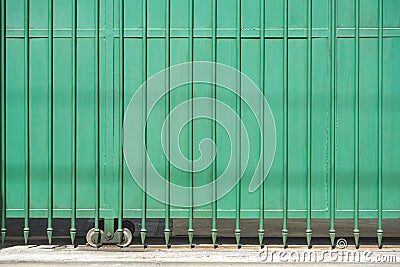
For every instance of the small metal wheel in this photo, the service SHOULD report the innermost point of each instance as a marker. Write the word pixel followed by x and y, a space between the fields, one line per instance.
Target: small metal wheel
pixel 89 238
pixel 126 238
pixel 129 224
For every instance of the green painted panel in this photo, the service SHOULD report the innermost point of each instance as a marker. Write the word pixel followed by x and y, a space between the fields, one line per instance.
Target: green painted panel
pixel 320 120
pixel 62 133
pixel 15 169
pixel 133 70
pixel 391 115
pixel 308 73
pixel 15 14
pixel 202 48
pixel 38 112
pixel 297 126
pixel 85 158
pixel 274 92
pixel 345 121
pixel 368 124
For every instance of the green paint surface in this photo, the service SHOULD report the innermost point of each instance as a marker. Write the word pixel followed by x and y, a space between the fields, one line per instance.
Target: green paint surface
pixel 112 100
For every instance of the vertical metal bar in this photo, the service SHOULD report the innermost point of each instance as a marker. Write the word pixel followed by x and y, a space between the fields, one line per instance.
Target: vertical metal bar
pixel 214 230
pixel 97 120
pixel 190 227
pixel 380 122
pixel 144 102
pixel 122 108
pixel 73 128
pixel 356 230
pixel 332 184
pixel 27 121
pixel 167 231
pixel 262 84
pixel 285 123
pixel 3 120
pixel 50 129
pixel 309 122
pixel 238 107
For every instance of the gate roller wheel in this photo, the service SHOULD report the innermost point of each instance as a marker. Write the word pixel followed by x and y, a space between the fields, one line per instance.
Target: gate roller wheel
pixel 89 238
pixel 126 238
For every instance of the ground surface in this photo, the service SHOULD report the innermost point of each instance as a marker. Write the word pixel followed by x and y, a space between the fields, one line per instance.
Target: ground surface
pixel 229 255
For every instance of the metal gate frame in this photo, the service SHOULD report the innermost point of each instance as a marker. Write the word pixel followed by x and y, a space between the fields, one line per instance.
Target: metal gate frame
pixel 21 119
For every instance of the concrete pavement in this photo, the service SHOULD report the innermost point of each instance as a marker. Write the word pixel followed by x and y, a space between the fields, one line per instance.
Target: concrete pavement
pixel 229 255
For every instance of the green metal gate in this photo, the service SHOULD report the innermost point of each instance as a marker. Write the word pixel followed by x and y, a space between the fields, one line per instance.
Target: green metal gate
pixel 328 69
